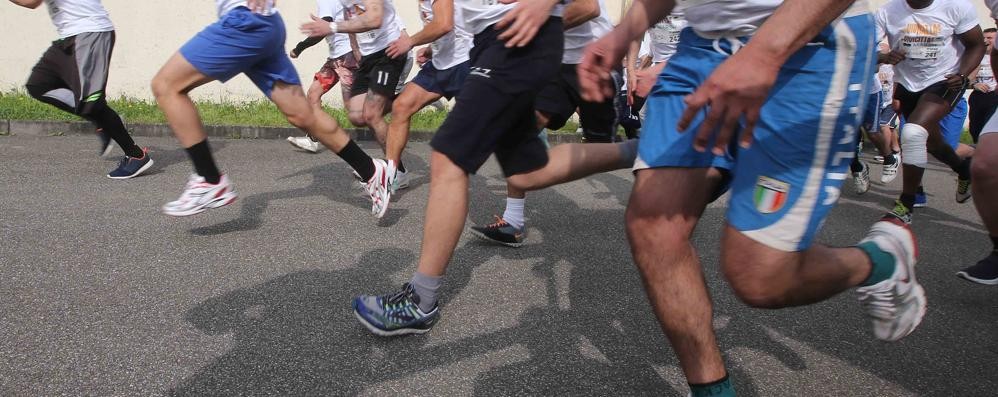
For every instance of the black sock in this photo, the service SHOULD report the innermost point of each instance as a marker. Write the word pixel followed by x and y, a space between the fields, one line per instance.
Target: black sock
pixel 994 243
pixel 855 166
pixel 401 167
pixel 204 164
pixel 964 169
pixel 358 160
pixel 908 200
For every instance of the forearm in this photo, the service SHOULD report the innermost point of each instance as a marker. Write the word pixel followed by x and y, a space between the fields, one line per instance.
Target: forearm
pixel 579 12
pixel 641 16
pixel 310 41
pixel 430 33
pixel 970 62
pixel 631 61
pixel 27 3
pixel 364 23
pixel 792 25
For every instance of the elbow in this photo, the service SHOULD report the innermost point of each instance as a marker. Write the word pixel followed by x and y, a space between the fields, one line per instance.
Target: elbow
pixel 446 27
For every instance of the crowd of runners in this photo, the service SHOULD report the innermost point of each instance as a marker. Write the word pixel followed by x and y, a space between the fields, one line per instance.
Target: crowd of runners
pixel 766 100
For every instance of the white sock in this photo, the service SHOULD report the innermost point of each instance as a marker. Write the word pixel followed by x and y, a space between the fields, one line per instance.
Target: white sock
pixel 514 212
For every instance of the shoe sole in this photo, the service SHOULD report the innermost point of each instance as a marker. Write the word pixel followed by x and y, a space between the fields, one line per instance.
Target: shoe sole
pixel 482 236
pixel 137 173
pixel 219 202
pixel 381 332
pixel 303 148
pixel 966 199
pixel 919 205
pixel 107 150
pixel 968 277
pixel 922 307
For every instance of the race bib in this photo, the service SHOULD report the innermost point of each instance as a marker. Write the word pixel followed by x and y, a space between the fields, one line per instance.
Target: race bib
pixel 920 51
pixel 665 35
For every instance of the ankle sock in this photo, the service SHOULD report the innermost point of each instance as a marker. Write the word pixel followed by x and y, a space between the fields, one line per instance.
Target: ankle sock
pixel 204 164
pixel 882 263
pixel 908 200
pixel 358 160
pixel 720 388
pixel 426 288
pixel 514 212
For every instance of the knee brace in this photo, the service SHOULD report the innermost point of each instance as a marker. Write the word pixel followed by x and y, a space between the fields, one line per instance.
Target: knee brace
pixel 914 139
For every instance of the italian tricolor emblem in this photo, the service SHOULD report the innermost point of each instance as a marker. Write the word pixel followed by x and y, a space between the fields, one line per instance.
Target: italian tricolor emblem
pixel 770 194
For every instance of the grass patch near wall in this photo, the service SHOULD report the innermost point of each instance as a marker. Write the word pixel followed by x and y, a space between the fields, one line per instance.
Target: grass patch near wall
pixel 18 105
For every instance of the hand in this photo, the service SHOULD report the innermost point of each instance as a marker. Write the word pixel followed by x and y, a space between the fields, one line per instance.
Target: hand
pixel 735 91
pixel 317 28
pixel 293 54
pixel 982 87
pixel 258 6
pixel 598 59
pixel 956 82
pixel 423 55
pixel 523 21
pixel 891 58
pixel 399 47
pixel 632 87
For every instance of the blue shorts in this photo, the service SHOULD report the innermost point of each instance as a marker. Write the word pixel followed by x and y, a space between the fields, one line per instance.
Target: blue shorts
pixel 871 115
pixel 951 126
pixel 243 42
pixel 447 82
pixel 783 186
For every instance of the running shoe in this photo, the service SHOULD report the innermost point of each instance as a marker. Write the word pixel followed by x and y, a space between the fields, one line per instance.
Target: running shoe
pixel 130 167
pixel 984 272
pixel 878 158
pixel 304 143
pixel 962 190
pixel 861 179
pixel 199 196
pixel 105 143
pixel 900 212
pixel 897 304
pixel 890 171
pixel 379 190
pixel 501 232
pixel 921 200
pixel 394 314
pixel 400 181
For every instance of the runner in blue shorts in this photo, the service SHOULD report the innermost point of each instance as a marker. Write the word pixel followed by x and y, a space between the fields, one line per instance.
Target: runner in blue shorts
pixel 770 112
pixel 248 38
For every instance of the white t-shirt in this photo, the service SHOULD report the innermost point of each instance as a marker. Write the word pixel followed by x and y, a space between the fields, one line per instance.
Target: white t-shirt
pixel 480 14
pixel 577 38
pixel 928 37
pixel 339 43
pixel 81 16
pixel 985 75
pixel 875 86
pixel 665 36
pixel 452 48
pixel 886 75
pixel 993 6
pixel 377 39
pixel 224 6
pixel 716 18
pixel 645 48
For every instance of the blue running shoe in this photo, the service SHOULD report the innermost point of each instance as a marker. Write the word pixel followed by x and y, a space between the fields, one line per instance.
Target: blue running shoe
pixel 921 200
pixel 394 314
pixel 131 167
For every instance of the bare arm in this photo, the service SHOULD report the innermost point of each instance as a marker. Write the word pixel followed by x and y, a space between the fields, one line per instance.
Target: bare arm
pixel 442 23
pixel 579 12
pixel 32 4
pixel 974 47
pixel 371 19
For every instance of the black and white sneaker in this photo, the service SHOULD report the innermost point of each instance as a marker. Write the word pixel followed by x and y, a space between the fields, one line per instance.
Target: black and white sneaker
pixel 984 272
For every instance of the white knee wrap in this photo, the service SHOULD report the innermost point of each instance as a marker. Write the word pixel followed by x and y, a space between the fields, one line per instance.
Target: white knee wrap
pixel 914 139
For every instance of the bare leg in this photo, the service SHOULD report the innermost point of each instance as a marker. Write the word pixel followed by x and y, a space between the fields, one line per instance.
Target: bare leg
pixel 569 162
pixel 374 116
pixel 412 98
pixel 355 110
pixel 985 181
pixel 766 277
pixel 170 86
pixel 291 100
pixel 446 209
pixel 659 227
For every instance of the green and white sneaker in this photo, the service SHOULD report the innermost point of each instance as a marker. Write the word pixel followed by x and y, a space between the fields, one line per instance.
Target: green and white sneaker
pixel 900 212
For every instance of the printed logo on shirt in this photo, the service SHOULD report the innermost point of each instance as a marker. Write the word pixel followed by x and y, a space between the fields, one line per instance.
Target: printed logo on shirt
pixel 481 72
pixel 922 41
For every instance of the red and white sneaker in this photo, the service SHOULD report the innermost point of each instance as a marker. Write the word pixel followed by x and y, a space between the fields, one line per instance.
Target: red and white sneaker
pixel 378 188
pixel 200 195
pixel 897 304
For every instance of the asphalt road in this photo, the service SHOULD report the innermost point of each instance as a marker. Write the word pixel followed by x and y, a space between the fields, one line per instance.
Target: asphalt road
pixel 101 294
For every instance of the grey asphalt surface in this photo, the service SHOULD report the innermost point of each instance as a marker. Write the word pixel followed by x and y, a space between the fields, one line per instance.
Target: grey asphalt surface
pixel 101 294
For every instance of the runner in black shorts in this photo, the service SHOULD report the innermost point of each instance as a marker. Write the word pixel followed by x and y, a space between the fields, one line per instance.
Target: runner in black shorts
pixel 494 113
pixel 72 76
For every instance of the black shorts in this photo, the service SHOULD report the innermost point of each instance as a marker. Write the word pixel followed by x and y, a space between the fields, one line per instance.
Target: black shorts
pixel 494 112
pixel 74 70
pixel 378 73
pixel 909 100
pixel 561 97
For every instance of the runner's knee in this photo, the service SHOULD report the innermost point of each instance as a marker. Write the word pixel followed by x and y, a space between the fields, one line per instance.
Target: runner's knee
pixel 914 141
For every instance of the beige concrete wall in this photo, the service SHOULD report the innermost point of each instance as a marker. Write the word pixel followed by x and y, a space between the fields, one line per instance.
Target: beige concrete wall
pixel 150 31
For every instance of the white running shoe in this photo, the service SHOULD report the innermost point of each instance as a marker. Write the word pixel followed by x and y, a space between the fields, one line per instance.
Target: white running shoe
pixel 378 189
pixel 890 171
pixel 304 143
pixel 397 180
pixel 200 195
pixel 897 304
pixel 861 179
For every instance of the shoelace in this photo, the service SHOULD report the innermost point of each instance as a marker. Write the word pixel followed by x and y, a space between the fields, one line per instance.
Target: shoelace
pixel 962 185
pixel 498 223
